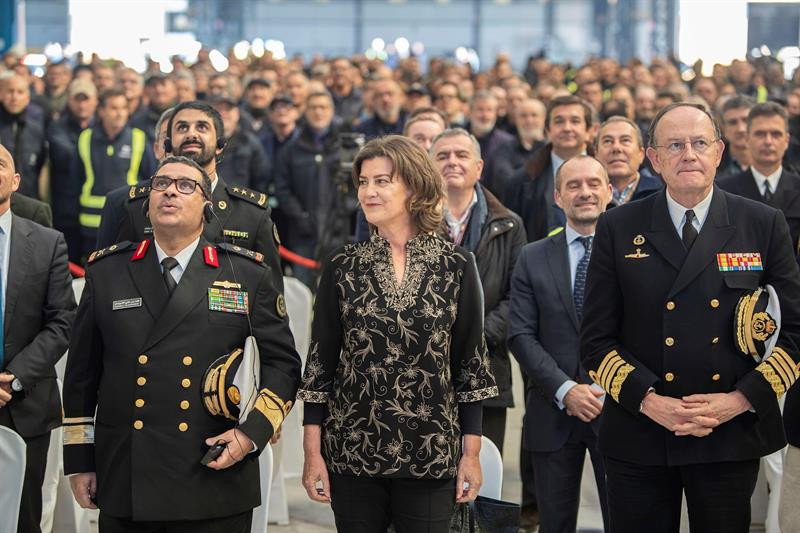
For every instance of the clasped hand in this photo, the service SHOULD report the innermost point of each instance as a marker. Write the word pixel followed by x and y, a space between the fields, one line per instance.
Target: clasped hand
pixel 697 414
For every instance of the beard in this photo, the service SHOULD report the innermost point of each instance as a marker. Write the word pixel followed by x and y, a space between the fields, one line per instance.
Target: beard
pixel 202 158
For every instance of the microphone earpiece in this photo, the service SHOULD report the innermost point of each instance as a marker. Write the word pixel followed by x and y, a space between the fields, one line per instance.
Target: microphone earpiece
pixel 168 145
pixel 208 212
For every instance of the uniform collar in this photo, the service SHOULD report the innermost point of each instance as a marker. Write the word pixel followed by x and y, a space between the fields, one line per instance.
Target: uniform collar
pixel 677 211
pixel 182 257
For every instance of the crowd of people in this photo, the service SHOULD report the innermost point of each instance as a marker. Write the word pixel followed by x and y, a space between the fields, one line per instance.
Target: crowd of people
pixel 447 220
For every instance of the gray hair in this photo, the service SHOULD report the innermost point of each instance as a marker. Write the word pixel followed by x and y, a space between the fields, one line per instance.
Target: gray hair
pixel 459 132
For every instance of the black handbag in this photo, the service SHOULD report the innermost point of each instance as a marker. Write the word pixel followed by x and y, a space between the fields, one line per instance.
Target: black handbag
pixel 486 515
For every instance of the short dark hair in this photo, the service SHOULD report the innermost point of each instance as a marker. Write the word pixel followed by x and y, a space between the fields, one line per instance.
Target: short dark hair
pixel 205 181
pixel 561 101
pixel 651 131
pixel 428 110
pixel 203 107
pixel 767 109
pixel 626 120
pixel 739 101
pixel 106 95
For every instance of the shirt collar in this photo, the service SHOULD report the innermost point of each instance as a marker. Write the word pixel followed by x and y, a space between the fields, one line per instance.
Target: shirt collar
pixel 453 221
pixel 772 179
pixel 5 222
pixel 677 211
pixel 182 257
pixel 573 235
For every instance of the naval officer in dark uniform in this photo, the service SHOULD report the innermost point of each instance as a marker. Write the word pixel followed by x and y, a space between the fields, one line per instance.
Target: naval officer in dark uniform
pixel 154 316
pixel 686 411
pixel 241 215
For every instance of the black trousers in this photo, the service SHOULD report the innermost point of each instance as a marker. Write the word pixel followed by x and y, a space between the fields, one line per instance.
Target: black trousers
pixel 526 473
pixel 30 509
pixel 494 425
pixel 558 481
pixel 369 504
pixel 239 523
pixel 648 498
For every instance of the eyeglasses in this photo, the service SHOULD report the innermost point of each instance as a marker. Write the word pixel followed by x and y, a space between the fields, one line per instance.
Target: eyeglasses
pixel 183 185
pixel 677 147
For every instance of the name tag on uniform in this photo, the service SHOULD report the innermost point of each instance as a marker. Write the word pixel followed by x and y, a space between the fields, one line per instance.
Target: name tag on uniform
pixel 228 300
pixel 739 262
pixel 130 303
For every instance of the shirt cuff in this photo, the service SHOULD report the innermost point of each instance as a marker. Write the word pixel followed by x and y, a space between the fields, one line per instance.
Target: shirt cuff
pixel 562 391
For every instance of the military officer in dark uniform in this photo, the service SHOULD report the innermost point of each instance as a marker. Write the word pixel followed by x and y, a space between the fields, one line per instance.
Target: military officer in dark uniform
pixel 241 215
pixel 154 316
pixel 686 411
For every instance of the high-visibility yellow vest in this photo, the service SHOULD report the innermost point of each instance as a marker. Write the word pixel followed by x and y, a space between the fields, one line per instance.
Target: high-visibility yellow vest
pixel 92 204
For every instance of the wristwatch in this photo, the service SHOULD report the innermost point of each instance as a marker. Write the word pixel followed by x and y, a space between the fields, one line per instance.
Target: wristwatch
pixel 641 405
pixel 16 385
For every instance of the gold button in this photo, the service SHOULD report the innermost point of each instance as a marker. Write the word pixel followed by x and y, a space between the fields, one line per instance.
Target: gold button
pixel 187 360
pixel 714 303
pixel 141 381
pixel 139 403
pixel 670 306
pixel 186 382
pixel 142 359
pixel 715 340
pixel 185 405
pixel 669 341
pixel 183 426
pixel 669 376
pixel 715 377
pixel 138 424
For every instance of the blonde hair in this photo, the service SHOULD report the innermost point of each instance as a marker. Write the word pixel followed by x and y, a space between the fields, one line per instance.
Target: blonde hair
pixel 413 165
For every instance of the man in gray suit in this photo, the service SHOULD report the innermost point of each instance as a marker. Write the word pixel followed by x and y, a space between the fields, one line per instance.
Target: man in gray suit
pixel 547 291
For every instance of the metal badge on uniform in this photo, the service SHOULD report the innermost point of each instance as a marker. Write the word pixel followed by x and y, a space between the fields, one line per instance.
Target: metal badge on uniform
pixel 128 303
pixel 228 300
pixel 637 255
pixel 638 240
pixel 739 262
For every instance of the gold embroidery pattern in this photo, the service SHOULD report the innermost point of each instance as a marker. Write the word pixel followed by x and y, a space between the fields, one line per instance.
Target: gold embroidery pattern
pixel 391 378
pixel 772 378
pixel 619 379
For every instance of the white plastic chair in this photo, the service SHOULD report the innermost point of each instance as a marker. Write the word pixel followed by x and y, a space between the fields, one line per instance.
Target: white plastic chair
pixel 261 513
pixel 12 464
pixel 288 452
pixel 492 469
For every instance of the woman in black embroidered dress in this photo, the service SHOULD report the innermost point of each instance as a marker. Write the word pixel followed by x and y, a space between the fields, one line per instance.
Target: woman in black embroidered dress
pixel 398 364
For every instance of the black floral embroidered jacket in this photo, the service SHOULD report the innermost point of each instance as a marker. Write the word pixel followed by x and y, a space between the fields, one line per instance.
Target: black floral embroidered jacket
pixel 392 362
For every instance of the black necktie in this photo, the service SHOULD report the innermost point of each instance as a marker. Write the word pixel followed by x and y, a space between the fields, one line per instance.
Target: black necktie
pixel 689 233
pixel 169 263
pixel 767 192
pixel 579 290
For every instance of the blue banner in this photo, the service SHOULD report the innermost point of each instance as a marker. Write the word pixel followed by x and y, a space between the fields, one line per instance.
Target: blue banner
pixel 8 24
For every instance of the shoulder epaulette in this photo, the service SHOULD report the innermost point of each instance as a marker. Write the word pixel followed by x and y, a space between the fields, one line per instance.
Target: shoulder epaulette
pixel 244 252
pixel 243 193
pixel 105 252
pixel 138 191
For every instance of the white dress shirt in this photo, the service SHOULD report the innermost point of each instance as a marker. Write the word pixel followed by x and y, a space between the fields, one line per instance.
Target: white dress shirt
pixel 762 180
pixel 678 213
pixel 182 257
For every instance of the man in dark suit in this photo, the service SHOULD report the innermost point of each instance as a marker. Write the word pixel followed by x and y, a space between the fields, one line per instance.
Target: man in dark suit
pixel 767 180
pixel 686 411
pixel 154 317
pixel 562 405
pixel 37 307
pixel 529 192
pixel 241 216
